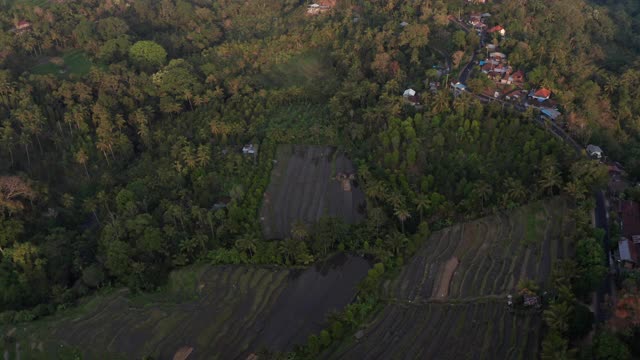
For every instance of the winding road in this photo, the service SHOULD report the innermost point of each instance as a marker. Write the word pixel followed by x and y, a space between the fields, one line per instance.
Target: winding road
pixel 607 288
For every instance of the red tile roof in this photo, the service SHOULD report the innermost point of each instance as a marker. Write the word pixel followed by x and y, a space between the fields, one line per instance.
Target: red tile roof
pixel 23 24
pixel 495 28
pixel 329 3
pixel 542 93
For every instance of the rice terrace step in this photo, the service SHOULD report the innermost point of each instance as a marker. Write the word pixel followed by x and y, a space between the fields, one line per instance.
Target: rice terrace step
pixel 474 271
pixel 308 182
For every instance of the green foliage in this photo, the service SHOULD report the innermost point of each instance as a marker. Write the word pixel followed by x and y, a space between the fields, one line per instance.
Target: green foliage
pixel 73 63
pixel 607 346
pixel 591 258
pixel 581 322
pixel 93 276
pixel 147 54
pixel 140 172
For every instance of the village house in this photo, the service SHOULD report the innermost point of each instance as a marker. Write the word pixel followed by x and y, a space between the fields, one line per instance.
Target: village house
pixel 552 114
pixel 315 9
pixel 495 66
pixel 594 151
pixel 629 244
pixel 541 94
pixel 411 97
pixel 475 19
pixel 517 78
pixel 497 56
pixel 320 7
pixel 459 87
pixel 249 149
pixel 617 180
pixel 480 28
pixel 23 25
pixel 497 29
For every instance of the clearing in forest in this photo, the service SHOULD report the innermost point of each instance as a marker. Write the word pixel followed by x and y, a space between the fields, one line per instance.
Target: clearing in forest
pixel 221 312
pixel 73 62
pixel 308 182
pixel 454 290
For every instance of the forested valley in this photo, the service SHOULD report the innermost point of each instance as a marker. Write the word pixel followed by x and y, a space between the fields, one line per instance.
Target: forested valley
pixel 123 122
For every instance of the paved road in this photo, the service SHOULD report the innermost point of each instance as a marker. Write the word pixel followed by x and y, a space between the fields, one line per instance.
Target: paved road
pixel 464 74
pixel 466 71
pixel 607 288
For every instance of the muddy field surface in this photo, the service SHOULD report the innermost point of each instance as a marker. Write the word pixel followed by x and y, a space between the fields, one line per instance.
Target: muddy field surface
pixel 235 311
pixel 471 321
pixel 305 185
pixel 448 331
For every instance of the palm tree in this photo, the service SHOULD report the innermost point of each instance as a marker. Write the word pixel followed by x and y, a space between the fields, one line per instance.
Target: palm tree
pixel 299 231
pixel 189 156
pixel 576 190
pixel 483 191
pixel 376 190
pixel 516 192
pixel 247 244
pixel 364 174
pixel 377 217
pixel 402 214
pixel 396 242
pixel 82 158
pixel 202 156
pixel 441 101
pixel 90 204
pixel 7 139
pixel 549 180
pixel 423 203
pixel 288 249
pixel 396 200
pixel 556 347
pixel 557 316
pixel 462 103
pixel 236 193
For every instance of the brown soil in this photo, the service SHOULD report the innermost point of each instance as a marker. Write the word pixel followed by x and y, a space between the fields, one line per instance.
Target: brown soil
pixel 183 353
pixel 449 268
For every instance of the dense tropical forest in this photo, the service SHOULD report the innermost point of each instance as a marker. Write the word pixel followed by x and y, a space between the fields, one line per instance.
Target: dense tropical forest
pixel 122 125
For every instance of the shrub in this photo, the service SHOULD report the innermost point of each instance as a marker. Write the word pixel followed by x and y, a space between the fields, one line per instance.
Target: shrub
pixel 7 317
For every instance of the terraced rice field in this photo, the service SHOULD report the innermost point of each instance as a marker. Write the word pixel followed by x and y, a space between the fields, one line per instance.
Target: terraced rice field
pixel 304 187
pixel 469 320
pixel 232 312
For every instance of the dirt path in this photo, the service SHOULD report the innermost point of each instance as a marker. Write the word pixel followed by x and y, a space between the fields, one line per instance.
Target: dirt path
pixel 445 280
pixel 474 266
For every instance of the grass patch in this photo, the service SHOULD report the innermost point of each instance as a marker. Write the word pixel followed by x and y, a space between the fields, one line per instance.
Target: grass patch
pixel 74 62
pixel 302 123
pixel 535 224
